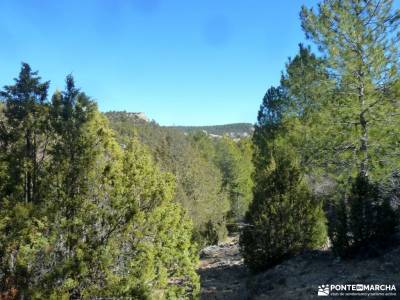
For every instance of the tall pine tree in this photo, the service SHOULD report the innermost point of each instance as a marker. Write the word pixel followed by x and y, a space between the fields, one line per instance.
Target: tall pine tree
pixel 359 117
pixel 359 40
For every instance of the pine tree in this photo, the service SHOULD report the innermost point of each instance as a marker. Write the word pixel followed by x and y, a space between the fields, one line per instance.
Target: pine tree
pixel 305 84
pixel 305 81
pixel 359 41
pixel 3 135
pixel 359 117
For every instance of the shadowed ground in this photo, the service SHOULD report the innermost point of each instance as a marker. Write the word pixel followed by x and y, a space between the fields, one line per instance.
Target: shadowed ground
pixel 223 275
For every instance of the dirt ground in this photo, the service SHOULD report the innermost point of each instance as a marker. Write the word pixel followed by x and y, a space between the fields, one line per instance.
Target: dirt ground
pixel 222 272
pixel 223 275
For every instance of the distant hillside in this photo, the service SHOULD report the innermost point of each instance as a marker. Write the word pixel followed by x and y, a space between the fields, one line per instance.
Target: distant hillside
pixel 234 130
pixel 124 116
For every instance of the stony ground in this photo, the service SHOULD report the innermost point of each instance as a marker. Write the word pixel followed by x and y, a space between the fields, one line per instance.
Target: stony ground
pixel 223 275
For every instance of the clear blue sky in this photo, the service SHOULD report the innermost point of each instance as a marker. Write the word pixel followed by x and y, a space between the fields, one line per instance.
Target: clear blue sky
pixel 181 62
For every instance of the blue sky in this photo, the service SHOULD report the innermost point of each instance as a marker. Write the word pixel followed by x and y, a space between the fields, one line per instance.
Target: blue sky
pixel 181 62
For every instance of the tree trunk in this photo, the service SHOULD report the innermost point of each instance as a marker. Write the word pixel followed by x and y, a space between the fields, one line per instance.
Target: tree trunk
pixel 28 191
pixel 364 131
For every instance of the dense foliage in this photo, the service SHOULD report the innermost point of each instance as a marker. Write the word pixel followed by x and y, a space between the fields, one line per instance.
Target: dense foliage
pixel 359 40
pixel 359 115
pixel 364 221
pixel 80 216
pixel 234 159
pixel 213 175
pixel 336 119
pixel 285 217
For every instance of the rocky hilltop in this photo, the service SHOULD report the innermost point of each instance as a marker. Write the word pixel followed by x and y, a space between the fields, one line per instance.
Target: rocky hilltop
pixel 134 117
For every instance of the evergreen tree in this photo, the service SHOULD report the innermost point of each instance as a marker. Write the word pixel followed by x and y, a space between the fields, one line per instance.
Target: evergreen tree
pixel 155 253
pixel 358 119
pixel 204 198
pixel 25 134
pixel 338 226
pixel 305 82
pixel 305 85
pixel 101 222
pixel 284 217
pixel 359 41
pixel 3 134
pixel 364 220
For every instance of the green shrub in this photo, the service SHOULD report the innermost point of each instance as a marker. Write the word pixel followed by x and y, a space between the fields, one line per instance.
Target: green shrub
pixel 363 220
pixel 284 218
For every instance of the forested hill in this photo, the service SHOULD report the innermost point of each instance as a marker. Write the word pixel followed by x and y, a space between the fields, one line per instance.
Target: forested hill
pixel 233 130
pixel 130 117
pixel 204 168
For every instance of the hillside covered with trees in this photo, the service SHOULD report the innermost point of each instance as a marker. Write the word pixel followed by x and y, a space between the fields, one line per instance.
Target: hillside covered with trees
pixel 213 176
pixel 110 205
pixel 233 130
